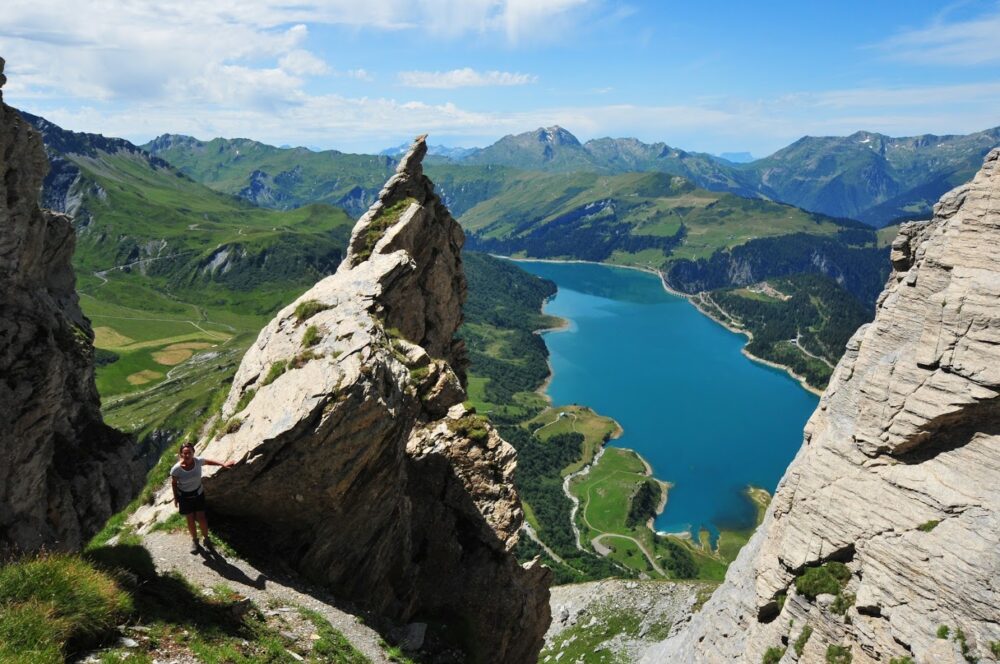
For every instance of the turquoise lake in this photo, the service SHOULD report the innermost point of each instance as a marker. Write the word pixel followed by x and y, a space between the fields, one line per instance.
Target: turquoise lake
pixel 706 418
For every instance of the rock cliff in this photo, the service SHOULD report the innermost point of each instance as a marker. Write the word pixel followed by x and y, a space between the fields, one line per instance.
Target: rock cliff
pixel 898 477
pixel 353 449
pixel 62 471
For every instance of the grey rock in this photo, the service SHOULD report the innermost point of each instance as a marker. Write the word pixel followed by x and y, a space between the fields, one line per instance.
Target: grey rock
pixel 899 471
pixel 360 458
pixel 63 472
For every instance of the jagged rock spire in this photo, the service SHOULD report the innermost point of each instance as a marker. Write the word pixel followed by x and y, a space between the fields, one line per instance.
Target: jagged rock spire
pixel 353 448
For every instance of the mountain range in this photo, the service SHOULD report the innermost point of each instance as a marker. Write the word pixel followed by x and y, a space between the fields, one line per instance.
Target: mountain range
pixel 867 176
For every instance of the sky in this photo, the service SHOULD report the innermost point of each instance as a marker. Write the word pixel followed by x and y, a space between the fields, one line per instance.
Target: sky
pixel 728 76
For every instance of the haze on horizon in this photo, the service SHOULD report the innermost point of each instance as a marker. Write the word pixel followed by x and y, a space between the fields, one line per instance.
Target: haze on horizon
pixel 363 77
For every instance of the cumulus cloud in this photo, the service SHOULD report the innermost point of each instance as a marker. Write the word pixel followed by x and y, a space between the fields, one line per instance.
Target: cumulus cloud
pixel 463 78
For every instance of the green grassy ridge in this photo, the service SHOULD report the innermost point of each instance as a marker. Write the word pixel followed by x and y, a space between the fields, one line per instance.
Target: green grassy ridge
pixel 282 178
pixel 591 216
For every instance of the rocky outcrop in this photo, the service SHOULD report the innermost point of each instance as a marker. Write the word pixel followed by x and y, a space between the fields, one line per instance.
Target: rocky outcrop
pixel 898 477
pixel 353 448
pixel 62 471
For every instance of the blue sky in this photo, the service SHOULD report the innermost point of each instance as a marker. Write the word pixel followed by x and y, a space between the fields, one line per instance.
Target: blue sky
pixel 730 76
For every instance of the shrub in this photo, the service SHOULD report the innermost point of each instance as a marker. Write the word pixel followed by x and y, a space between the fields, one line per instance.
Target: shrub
pixel 800 643
pixel 838 655
pixel 307 309
pixel 233 425
pixel 274 372
pixel 825 579
pixel 928 526
pixel 311 337
pixel 901 660
pixel 943 632
pixel 995 648
pixel 773 655
pixel 50 600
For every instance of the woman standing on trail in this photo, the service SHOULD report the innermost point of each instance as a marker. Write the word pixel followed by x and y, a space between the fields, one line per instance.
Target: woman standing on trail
pixel 189 495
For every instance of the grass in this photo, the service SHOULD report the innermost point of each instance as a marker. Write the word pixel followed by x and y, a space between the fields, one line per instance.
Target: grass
pixel 928 526
pixel 596 430
pixel 773 655
pixel 53 604
pixel 838 654
pixel 377 227
pixel 56 606
pixel 275 372
pixel 802 640
pixel 307 309
pixel 586 640
pixel 311 337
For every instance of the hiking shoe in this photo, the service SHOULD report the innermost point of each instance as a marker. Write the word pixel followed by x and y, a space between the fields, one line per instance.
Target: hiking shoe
pixel 207 543
pixel 195 547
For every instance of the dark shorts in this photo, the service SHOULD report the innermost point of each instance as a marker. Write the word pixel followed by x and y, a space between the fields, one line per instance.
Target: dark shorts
pixel 191 503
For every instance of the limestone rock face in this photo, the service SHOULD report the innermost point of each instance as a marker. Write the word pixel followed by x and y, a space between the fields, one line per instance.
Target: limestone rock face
pixel 352 446
pixel 62 471
pixel 898 475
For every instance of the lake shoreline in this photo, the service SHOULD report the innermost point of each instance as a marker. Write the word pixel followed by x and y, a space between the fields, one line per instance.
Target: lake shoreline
pixel 693 300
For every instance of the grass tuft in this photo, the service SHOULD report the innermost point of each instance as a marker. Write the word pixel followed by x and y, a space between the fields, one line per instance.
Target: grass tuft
pixel 311 337
pixel 838 654
pixel 275 371
pixel 928 526
pixel 773 655
pixel 245 399
pixel 800 643
pixel 307 309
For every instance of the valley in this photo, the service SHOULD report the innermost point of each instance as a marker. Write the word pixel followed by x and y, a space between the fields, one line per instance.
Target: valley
pixel 179 297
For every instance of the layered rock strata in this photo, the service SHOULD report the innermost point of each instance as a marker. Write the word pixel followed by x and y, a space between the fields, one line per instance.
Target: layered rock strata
pixel 898 476
pixel 63 472
pixel 353 448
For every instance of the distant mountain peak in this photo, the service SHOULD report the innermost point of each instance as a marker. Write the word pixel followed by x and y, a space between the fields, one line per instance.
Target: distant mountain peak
pixel 555 135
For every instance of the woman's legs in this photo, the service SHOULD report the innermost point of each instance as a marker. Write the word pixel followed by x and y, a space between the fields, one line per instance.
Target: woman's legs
pixel 191 528
pixel 203 522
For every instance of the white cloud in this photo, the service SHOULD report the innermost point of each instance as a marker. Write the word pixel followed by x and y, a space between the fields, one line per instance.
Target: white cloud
pixel 968 42
pixel 359 74
pixel 463 78
pixel 303 63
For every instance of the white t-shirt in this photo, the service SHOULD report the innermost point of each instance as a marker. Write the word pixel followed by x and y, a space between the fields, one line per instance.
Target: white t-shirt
pixel 188 480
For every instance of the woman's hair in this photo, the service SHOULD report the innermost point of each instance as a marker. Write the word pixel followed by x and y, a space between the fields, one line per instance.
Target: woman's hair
pixel 189 444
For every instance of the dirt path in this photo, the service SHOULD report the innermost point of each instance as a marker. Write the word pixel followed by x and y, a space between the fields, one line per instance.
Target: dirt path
pixel 530 532
pixel 597 543
pixel 171 552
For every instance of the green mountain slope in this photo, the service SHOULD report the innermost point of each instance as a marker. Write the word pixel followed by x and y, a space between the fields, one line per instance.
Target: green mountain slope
pixel 702 240
pixel 870 176
pixel 171 272
pixel 281 178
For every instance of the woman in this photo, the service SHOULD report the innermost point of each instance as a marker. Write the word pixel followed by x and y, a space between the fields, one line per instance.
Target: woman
pixel 189 495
